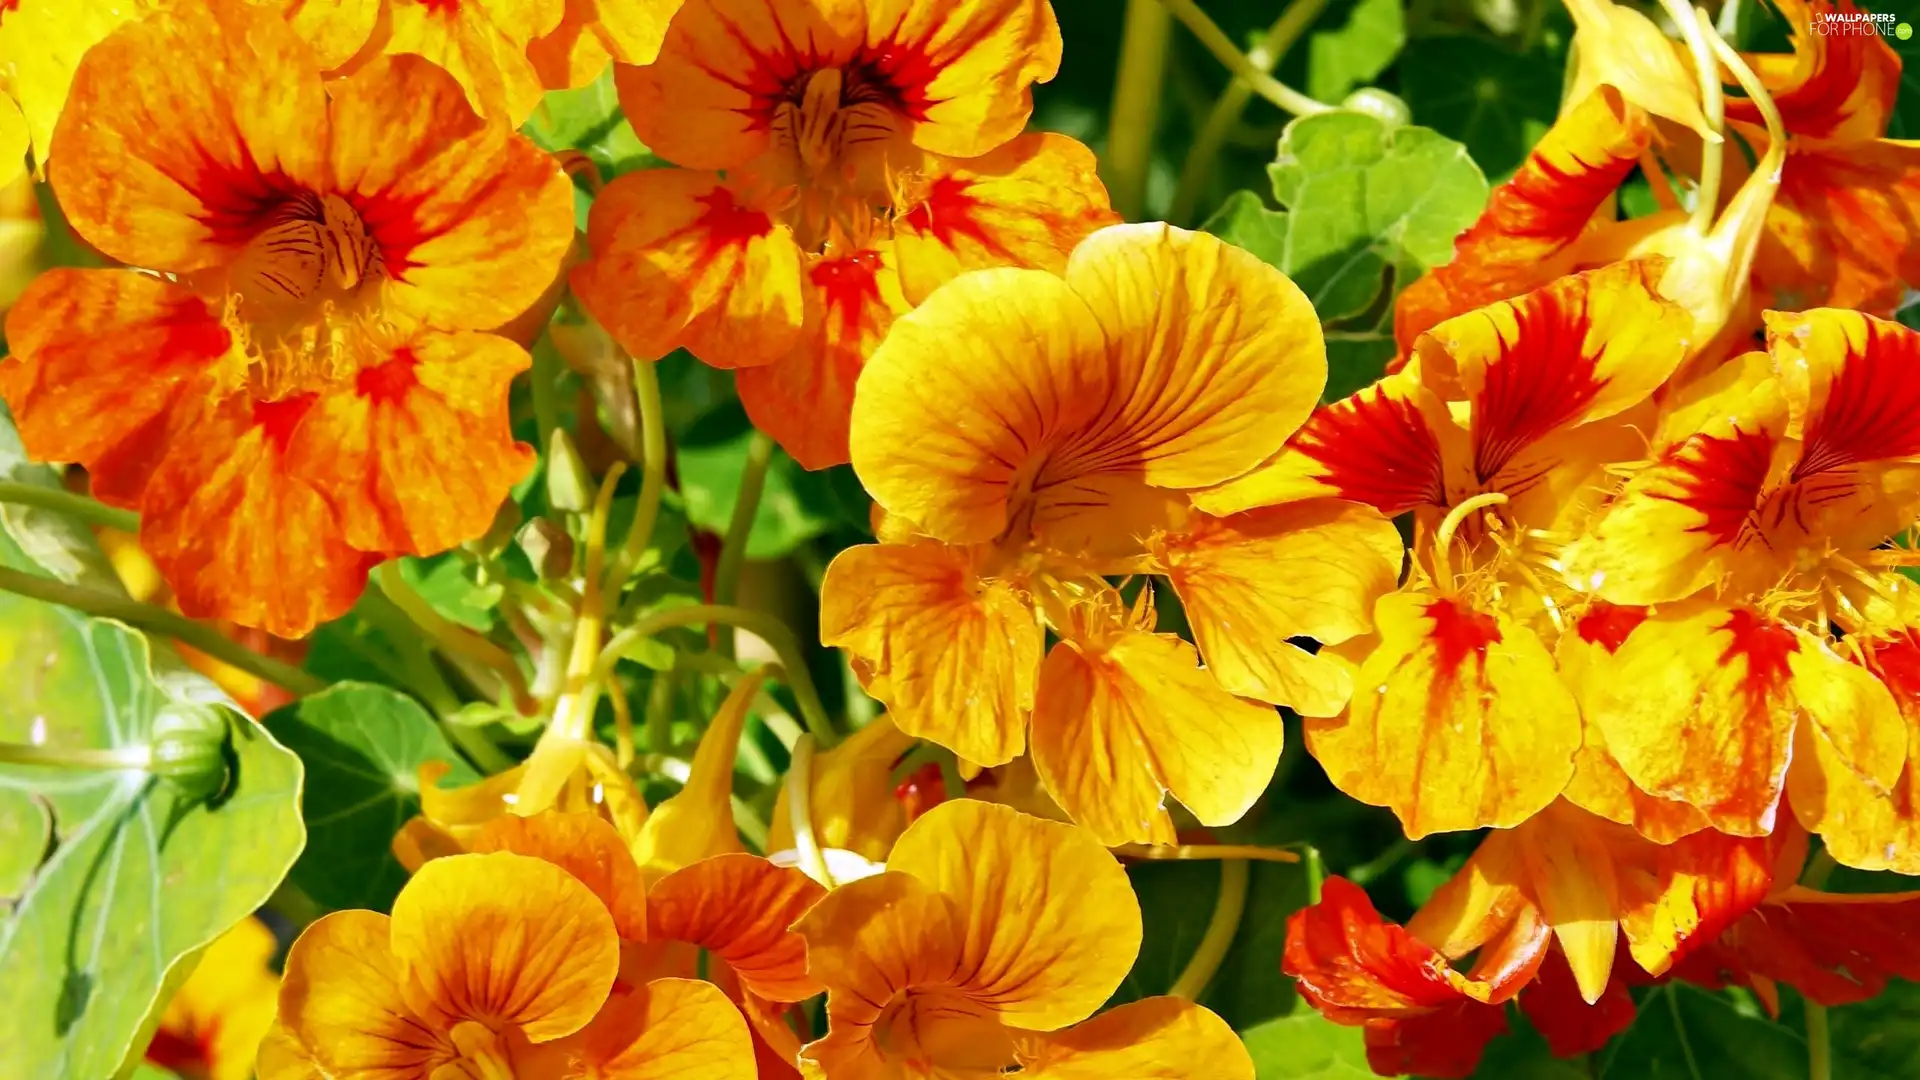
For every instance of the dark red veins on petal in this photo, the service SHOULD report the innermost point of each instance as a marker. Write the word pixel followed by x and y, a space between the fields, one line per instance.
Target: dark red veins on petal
pixel 1543 379
pixel 847 285
pixel 1377 450
pixel 280 419
pixel 1723 479
pixel 1872 411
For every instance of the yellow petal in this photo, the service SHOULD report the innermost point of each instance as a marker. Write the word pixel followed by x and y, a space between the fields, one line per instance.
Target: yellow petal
pixel 1120 723
pixel 1044 954
pixel 954 655
pixel 1252 581
pixel 1862 825
pixel 1620 46
pixel 507 940
pixel 669 1029
pixel 1459 720
pixel 341 1002
pixel 13 142
pixel 851 795
pixel 697 821
pixel 1159 1038
pixel 586 847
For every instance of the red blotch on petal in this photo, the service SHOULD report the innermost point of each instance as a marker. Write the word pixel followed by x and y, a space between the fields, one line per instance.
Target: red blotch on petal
pixel 726 223
pixel 279 419
pixel 947 213
pixel 1378 450
pixel 390 382
pixel 1607 625
pixel 1459 632
pixel 1544 378
pixel 1765 646
pixel 1724 478
pixel 1872 411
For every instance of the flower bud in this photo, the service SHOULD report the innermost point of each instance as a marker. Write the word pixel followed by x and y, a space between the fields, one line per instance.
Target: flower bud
pixel 189 748
pixel 547 546
pixel 569 485
pixel 1380 104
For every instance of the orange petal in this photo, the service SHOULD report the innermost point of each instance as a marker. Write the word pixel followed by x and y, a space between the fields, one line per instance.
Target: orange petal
pixel 1026 204
pixel 805 400
pixel 417 453
pixel 483 46
pixel 1386 445
pixel 336 29
pixel 461 811
pixel 1571 1025
pixel 284 1057
pixel 932 636
pixel 1863 827
pixel 103 361
pixel 740 908
pixel 1833 86
pixel 1839 232
pixel 1459 720
pixel 1016 396
pixel 591 32
pixel 1043 956
pixel 239 535
pixel 1622 47
pixel 964 70
pixel 1122 722
pixel 471 219
pixel 851 795
pixel 155 168
pixel 681 262
pixel 1526 235
pixel 1680 897
pixel 507 940
pixel 1252 581
pixel 668 1029
pixel 342 1003
pixel 584 846
pixel 1834 949
pixel 1160 1038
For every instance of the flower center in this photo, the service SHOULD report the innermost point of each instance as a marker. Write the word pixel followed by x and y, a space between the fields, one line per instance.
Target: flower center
pixel 828 116
pixel 483 1055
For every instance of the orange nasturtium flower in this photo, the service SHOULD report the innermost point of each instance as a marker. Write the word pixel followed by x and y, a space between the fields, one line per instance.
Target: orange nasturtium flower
pixel 839 160
pixel 542 955
pixel 967 958
pixel 213 1026
pixel 1031 434
pixel 293 388
pixel 1761 525
pixel 1459 718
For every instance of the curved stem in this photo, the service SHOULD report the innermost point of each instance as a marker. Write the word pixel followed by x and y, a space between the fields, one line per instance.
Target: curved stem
pixel 733 550
pixel 1222 47
pixel 1367 871
pixel 1232 102
pixel 455 640
pixel 543 381
pixel 1135 115
pixel 776 633
pixel 132 758
pixel 653 480
pixel 800 812
pixel 1221 929
pixel 1201 852
pixel 159 620
pixel 91 511
pixel 1713 155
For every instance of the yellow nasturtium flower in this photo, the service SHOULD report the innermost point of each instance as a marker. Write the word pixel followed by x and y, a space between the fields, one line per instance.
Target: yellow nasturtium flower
pixel 213 1026
pixel 1030 434
pixel 983 948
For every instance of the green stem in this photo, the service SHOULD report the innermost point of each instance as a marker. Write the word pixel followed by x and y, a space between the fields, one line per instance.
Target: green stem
pixel 455 640
pixel 76 757
pixel 1232 102
pixel 1819 1044
pixel 1135 115
pixel 1227 909
pixel 653 481
pixel 733 550
pixel 776 633
pixel 1316 871
pixel 544 381
pixel 159 620
pixel 659 719
pixel 1222 47
pixel 1367 871
pixel 88 510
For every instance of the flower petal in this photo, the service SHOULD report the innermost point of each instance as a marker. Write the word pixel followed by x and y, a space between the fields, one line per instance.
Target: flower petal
pixel 1026 204
pixel 1621 46
pixel 740 908
pixel 237 533
pixel 1863 827
pixel 13 143
pixel 484 46
pixel 44 42
pixel 471 219
pixel 1526 235
pixel 1120 723
pixel 681 262
pixel 505 939
pixel 1459 720
pixel 1839 232
pixel 1835 949
pixel 336 29
pixel 964 71
pixel 586 847
pixel 103 360
pixel 668 1029
pixel 953 655
pixel 1572 1026
pixel 1046 921
pixel 156 168
pixel 1158 1038
pixel 1252 581
pixel 1833 86
pixel 341 1001
pixel 851 794
pixel 591 32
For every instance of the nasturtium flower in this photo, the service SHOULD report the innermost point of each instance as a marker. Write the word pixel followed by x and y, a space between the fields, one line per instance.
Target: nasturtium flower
pixel 1459 719
pixel 852 796
pixel 1755 532
pixel 839 162
pixel 1030 435
pixel 213 1026
pixel 294 387
pixel 968 958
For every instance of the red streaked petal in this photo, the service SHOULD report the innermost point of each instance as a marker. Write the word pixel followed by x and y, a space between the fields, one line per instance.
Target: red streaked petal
pixel 1834 949
pixel 740 908
pixel 1354 965
pixel 679 261
pixel 1840 231
pixel 1573 1027
pixel 1834 85
pixel 1444 1045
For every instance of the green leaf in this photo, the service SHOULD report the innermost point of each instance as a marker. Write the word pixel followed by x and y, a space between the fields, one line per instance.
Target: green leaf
pixel 42 541
pixel 589 120
pixel 363 747
pixel 1470 89
pixel 141 876
pixel 1307 1046
pixel 446 582
pixel 1362 201
pixel 1355 54
pixel 1878 1039
pixel 1683 1033
pixel 1355 359
pixel 795 506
